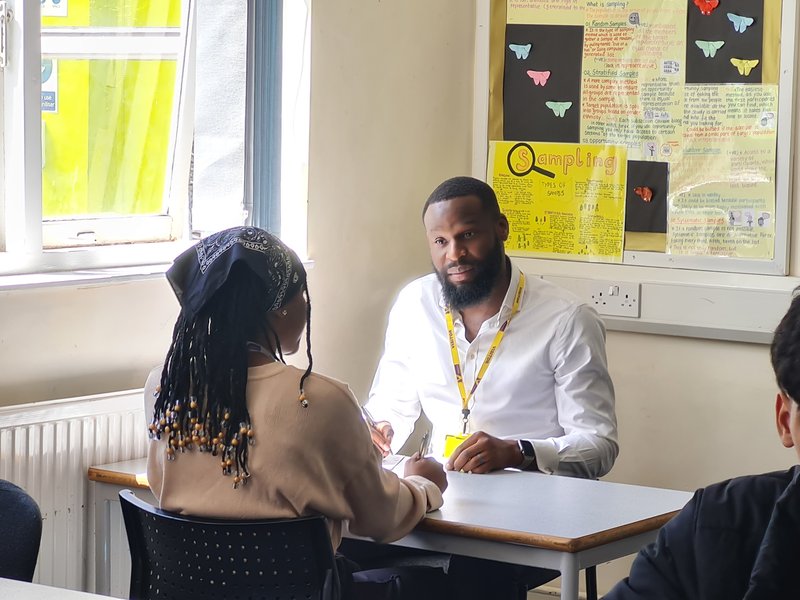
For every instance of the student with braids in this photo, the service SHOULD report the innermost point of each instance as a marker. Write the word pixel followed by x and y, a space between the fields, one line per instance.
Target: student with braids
pixel 236 433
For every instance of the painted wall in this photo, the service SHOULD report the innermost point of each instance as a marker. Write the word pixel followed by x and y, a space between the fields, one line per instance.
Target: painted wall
pixel 390 118
pixel 59 342
pixel 391 114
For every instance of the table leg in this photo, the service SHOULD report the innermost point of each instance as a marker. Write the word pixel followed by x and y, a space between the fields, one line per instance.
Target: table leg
pixel 569 576
pixel 102 539
pixel 591 583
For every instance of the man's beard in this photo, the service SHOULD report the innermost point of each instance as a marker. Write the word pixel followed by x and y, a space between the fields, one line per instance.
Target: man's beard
pixel 478 290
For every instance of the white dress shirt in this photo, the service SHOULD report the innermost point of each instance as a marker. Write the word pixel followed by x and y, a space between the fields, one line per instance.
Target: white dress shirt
pixel 547 383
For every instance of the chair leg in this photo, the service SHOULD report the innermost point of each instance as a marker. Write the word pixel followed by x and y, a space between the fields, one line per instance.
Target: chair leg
pixel 591 583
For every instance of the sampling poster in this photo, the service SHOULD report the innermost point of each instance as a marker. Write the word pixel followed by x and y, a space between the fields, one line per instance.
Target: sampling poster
pixel 563 199
pixel 685 90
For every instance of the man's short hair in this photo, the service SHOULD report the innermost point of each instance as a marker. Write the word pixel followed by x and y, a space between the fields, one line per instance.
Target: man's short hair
pixel 456 187
pixel 785 350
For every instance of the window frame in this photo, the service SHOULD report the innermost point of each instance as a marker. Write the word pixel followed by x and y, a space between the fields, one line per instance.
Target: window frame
pixel 23 233
pixel 29 244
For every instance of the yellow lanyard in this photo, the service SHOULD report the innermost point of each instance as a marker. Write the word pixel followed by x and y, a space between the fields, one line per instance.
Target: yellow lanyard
pixel 451 334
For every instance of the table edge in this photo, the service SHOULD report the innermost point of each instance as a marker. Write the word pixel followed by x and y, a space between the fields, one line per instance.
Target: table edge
pixel 132 480
pixel 547 542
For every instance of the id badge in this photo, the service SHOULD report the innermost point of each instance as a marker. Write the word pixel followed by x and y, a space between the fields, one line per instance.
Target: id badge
pixel 451 442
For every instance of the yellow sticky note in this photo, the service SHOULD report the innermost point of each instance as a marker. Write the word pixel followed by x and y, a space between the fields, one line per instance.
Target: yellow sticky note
pixel 451 442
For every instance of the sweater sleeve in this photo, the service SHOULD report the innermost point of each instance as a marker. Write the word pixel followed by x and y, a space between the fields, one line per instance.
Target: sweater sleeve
pixel 384 506
pixel 664 570
pixel 380 504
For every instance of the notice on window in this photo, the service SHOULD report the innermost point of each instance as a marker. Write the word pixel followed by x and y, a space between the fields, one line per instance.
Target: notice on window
pixel 562 200
pixel 49 85
pixel 54 8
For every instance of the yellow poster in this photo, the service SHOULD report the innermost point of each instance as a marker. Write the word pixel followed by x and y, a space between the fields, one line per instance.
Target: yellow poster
pixel 722 195
pixel 562 200
pixel 633 76
pixel 547 12
pixel 689 89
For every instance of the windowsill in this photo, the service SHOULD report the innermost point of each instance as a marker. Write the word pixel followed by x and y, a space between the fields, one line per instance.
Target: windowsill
pixel 92 276
pixel 82 277
pixel 97 265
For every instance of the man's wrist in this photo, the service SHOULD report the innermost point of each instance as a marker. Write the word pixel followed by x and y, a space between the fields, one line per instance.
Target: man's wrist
pixel 528 462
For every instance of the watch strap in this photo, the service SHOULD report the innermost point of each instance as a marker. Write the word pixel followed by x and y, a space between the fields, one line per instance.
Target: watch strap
pixel 528 455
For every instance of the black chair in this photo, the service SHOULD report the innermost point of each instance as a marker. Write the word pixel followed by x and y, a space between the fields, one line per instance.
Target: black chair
pixel 176 556
pixel 20 532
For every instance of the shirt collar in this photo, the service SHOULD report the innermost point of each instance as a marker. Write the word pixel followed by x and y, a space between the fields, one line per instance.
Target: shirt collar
pixel 508 301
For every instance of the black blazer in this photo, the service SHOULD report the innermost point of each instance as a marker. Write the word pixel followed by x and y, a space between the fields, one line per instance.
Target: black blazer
pixel 735 540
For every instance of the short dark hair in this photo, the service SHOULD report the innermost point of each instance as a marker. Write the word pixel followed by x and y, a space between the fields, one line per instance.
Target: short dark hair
pixel 785 350
pixel 456 187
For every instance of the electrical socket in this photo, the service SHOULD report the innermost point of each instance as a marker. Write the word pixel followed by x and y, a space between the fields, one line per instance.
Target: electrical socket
pixel 615 298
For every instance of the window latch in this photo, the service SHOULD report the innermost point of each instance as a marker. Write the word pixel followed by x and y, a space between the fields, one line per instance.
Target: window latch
pixel 6 14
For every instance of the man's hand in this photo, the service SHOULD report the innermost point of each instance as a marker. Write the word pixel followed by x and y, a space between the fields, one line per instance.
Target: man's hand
pixel 482 453
pixel 382 434
pixel 428 468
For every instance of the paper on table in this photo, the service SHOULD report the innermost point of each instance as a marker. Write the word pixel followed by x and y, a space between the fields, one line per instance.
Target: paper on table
pixel 391 461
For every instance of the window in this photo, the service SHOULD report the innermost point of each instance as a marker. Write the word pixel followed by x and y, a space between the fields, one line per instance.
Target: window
pixel 97 154
pixel 96 162
pixel 112 81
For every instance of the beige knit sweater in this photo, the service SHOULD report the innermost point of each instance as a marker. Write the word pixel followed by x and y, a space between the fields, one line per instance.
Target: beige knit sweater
pixel 315 460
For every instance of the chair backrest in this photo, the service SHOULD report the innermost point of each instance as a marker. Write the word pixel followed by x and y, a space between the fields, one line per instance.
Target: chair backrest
pixel 176 556
pixel 20 532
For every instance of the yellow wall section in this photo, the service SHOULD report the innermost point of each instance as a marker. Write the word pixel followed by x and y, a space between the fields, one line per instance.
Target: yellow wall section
pixel 106 147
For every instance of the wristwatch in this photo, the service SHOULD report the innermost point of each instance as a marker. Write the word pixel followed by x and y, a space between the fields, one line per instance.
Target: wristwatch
pixel 528 456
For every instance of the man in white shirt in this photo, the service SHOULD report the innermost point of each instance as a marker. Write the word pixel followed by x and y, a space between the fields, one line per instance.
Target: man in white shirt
pixel 535 393
pixel 542 400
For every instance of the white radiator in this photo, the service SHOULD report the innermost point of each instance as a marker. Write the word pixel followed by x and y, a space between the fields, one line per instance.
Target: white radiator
pixel 46 448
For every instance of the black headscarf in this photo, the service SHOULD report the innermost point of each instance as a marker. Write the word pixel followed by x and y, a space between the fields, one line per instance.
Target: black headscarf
pixel 201 402
pixel 201 270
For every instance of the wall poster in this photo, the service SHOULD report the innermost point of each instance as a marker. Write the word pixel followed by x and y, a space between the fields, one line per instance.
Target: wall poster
pixel 680 95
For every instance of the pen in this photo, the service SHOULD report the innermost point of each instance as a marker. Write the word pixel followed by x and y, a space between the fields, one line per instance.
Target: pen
pixel 368 417
pixel 423 447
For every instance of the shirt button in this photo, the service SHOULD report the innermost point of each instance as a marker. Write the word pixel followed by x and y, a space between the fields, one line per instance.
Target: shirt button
pixel 471 356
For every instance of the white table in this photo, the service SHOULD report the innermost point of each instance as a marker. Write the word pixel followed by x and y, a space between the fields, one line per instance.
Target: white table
pixel 529 519
pixel 539 520
pixel 22 590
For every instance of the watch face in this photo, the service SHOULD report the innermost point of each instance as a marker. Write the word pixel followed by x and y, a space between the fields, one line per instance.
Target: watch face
pixel 526 448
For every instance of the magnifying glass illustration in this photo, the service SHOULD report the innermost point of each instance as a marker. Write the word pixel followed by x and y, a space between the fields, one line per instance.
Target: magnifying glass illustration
pixel 521 160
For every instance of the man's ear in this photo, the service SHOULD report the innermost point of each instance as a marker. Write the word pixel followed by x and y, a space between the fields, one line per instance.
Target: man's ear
pixel 783 417
pixel 502 228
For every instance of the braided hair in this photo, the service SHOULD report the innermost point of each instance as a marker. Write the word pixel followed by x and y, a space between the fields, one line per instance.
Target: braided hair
pixel 225 297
